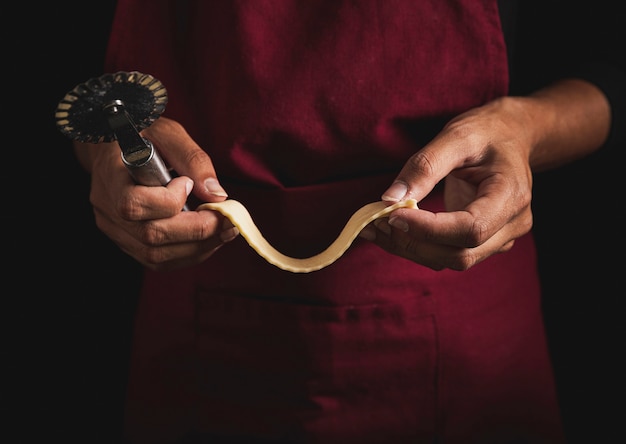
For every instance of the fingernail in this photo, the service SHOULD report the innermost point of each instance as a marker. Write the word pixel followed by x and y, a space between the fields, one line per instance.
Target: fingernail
pixel 214 187
pixel 368 233
pixel 396 192
pixel 189 186
pixel 399 224
pixel 383 226
pixel 229 234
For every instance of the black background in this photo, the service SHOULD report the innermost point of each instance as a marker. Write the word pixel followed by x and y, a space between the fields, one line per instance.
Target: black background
pixel 69 295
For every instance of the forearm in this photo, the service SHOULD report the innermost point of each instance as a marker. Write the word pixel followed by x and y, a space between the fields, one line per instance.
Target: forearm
pixel 570 120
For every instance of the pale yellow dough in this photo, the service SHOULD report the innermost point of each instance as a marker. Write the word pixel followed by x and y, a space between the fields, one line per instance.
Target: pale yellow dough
pixel 240 217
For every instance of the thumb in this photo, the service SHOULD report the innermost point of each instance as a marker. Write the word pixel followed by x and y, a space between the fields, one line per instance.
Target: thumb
pixel 183 154
pixel 423 171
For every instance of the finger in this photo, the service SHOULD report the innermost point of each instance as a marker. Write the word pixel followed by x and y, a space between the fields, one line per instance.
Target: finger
pixel 150 202
pixel 475 213
pixel 466 228
pixel 425 169
pixel 189 237
pixel 434 255
pixel 187 158
pixel 176 256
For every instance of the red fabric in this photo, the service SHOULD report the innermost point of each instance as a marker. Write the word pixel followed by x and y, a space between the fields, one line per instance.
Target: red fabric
pixel 308 110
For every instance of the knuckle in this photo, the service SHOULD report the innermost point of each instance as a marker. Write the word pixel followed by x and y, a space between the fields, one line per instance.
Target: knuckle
pixel 162 126
pixel 463 129
pixel 196 157
pixel 205 230
pixel 154 258
pixel 149 233
pixel 422 163
pixel 507 247
pixel 472 238
pixel 209 225
pixel 128 207
pixel 476 234
pixel 463 261
pixel 527 223
pixel 150 256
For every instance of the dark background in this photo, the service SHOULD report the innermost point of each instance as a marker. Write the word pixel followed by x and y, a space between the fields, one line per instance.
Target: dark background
pixel 70 295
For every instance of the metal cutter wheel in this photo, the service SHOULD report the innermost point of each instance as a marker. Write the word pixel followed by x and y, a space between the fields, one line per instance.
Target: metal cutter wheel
pixel 117 107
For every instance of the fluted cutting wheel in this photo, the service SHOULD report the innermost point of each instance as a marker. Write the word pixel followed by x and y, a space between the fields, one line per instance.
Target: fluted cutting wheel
pixel 80 115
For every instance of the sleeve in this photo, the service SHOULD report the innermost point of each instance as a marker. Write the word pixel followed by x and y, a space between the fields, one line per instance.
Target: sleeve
pixel 579 39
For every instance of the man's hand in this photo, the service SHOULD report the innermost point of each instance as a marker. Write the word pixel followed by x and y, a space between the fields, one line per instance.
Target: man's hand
pixel 146 221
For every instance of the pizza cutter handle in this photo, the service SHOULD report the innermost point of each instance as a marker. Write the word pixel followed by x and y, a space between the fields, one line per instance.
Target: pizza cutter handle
pixel 141 158
pixel 146 166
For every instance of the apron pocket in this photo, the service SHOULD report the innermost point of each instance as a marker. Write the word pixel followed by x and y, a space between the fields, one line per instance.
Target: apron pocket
pixel 283 370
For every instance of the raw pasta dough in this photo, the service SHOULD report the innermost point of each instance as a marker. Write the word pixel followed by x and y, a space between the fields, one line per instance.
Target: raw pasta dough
pixel 240 217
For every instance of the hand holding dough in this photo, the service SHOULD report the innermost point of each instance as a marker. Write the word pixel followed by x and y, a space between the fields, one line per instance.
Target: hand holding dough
pixel 240 217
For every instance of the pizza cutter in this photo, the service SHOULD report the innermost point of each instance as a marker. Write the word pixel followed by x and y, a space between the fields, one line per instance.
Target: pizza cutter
pixel 117 106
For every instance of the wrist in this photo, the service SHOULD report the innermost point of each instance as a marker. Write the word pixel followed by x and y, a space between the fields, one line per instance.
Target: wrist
pixel 570 120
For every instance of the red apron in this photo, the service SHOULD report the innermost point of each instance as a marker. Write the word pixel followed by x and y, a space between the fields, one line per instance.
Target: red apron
pixel 309 110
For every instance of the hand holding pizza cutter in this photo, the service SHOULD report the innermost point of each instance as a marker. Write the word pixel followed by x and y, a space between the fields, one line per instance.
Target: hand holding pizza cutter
pixel 117 107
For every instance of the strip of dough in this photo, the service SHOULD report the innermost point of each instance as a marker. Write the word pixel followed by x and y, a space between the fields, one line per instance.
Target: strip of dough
pixel 240 217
